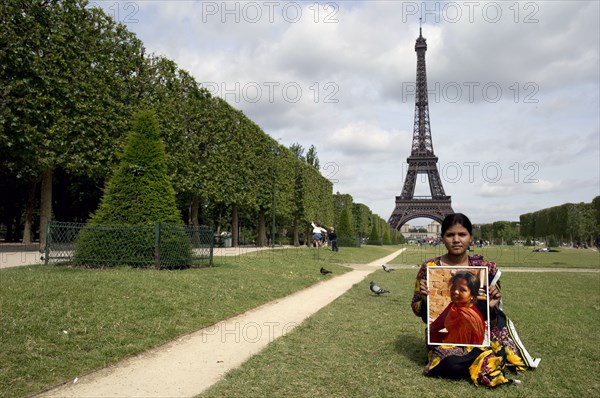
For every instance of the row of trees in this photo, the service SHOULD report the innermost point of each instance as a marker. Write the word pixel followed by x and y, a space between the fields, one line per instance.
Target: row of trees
pixel 570 222
pixel 499 231
pixel 71 80
pixel 355 221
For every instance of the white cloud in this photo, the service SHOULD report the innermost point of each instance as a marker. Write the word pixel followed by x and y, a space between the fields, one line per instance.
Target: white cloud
pixel 363 139
pixel 544 187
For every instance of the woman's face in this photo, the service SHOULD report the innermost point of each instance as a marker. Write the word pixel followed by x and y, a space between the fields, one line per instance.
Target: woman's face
pixel 460 292
pixel 457 240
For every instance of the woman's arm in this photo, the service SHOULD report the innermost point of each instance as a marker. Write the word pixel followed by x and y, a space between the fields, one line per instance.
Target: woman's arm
pixel 418 303
pixel 495 297
pixel 419 299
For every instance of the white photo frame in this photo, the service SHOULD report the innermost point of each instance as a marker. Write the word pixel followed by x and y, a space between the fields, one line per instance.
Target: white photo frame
pixel 439 299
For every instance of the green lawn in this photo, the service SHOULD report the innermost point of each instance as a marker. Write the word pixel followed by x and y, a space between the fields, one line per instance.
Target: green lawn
pixel 367 346
pixel 510 256
pixel 57 323
pixel 346 255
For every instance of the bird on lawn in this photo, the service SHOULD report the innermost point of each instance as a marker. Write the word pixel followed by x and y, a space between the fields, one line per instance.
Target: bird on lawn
pixel 376 289
pixel 387 269
pixel 324 271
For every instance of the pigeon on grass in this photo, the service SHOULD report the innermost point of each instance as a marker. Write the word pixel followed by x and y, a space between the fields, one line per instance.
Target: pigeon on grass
pixel 324 271
pixel 376 289
pixel 387 269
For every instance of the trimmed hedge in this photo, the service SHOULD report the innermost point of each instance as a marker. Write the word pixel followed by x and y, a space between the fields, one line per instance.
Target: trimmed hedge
pixel 138 195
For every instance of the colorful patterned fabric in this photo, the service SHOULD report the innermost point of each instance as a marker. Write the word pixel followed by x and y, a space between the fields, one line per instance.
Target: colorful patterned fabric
pixel 485 366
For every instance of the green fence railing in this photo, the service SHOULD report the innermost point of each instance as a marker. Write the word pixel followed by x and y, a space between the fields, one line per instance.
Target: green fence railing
pixel 156 245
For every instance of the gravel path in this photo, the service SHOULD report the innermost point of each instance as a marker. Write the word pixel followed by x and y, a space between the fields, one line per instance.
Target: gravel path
pixel 14 256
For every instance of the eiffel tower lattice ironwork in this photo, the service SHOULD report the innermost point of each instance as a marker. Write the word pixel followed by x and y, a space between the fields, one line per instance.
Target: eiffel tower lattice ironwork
pixel 422 160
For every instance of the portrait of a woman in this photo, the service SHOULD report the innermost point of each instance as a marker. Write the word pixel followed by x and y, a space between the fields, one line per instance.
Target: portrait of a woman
pixel 460 322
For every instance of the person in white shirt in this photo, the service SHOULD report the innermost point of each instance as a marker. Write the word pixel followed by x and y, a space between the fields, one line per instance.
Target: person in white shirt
pixel 317 234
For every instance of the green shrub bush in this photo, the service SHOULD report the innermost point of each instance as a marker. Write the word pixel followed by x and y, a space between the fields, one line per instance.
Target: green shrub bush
pixel 348 241
pixel 374 238
pixel 386 237
pixel 138 195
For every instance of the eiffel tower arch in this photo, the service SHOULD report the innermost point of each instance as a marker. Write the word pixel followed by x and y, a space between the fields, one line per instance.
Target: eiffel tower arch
pixel 422 160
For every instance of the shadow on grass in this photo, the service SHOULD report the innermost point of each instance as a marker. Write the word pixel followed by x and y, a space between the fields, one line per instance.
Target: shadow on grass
pixel 411 347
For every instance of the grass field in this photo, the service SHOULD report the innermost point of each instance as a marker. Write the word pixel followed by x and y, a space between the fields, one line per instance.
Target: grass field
pixel 367 346
pixel 58 323
pixel 511 256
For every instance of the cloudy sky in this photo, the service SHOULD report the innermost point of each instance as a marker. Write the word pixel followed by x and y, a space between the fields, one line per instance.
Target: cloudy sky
pixel 513 89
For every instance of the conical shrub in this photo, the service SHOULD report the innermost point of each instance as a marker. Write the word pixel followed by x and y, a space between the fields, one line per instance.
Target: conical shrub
pixel 138 196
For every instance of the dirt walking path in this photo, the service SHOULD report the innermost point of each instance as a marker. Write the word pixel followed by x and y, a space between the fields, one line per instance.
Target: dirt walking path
pixel 12 255
pixel 10 259
pixel 188 366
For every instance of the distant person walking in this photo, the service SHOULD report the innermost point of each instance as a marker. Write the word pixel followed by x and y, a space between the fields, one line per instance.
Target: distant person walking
pixel 333 239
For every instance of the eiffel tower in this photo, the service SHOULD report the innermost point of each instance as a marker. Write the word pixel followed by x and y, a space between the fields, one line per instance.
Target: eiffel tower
pixel 421 160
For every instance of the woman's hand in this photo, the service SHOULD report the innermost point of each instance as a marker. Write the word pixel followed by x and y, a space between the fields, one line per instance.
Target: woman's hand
pixel 423 289
pixel 494 295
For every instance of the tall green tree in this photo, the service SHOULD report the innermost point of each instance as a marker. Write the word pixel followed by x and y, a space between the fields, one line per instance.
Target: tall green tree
pixel 68 82
pixel 184 110
pixel 298 151
pixel 345 230
pixel 596 207
pixel 284 181
pixel 386 236
pixel 361 215
pixel 313 198
pixel 505 231
pixel 374 238
pixel 581 222
pixel 341 202
pixel 312 158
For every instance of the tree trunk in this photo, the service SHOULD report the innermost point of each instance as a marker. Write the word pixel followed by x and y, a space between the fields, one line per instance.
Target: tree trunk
pixel 45 206
pixel 296 234
pixel 200 212
pixel 261 240
pixel 235 236
pixel 308 235
pixel 29 213
pixel 194 211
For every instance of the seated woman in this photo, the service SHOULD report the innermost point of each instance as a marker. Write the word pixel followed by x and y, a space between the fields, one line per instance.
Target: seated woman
pixel 484 365
pixel 462 320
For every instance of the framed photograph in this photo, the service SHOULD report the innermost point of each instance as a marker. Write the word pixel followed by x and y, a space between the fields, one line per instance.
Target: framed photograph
pixel 458 306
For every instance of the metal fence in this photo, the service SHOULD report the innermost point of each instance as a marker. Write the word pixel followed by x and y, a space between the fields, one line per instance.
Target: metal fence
pixel 156 245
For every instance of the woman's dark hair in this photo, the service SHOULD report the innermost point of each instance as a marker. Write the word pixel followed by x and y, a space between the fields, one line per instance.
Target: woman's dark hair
pixel 472 282
pixel 457 218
